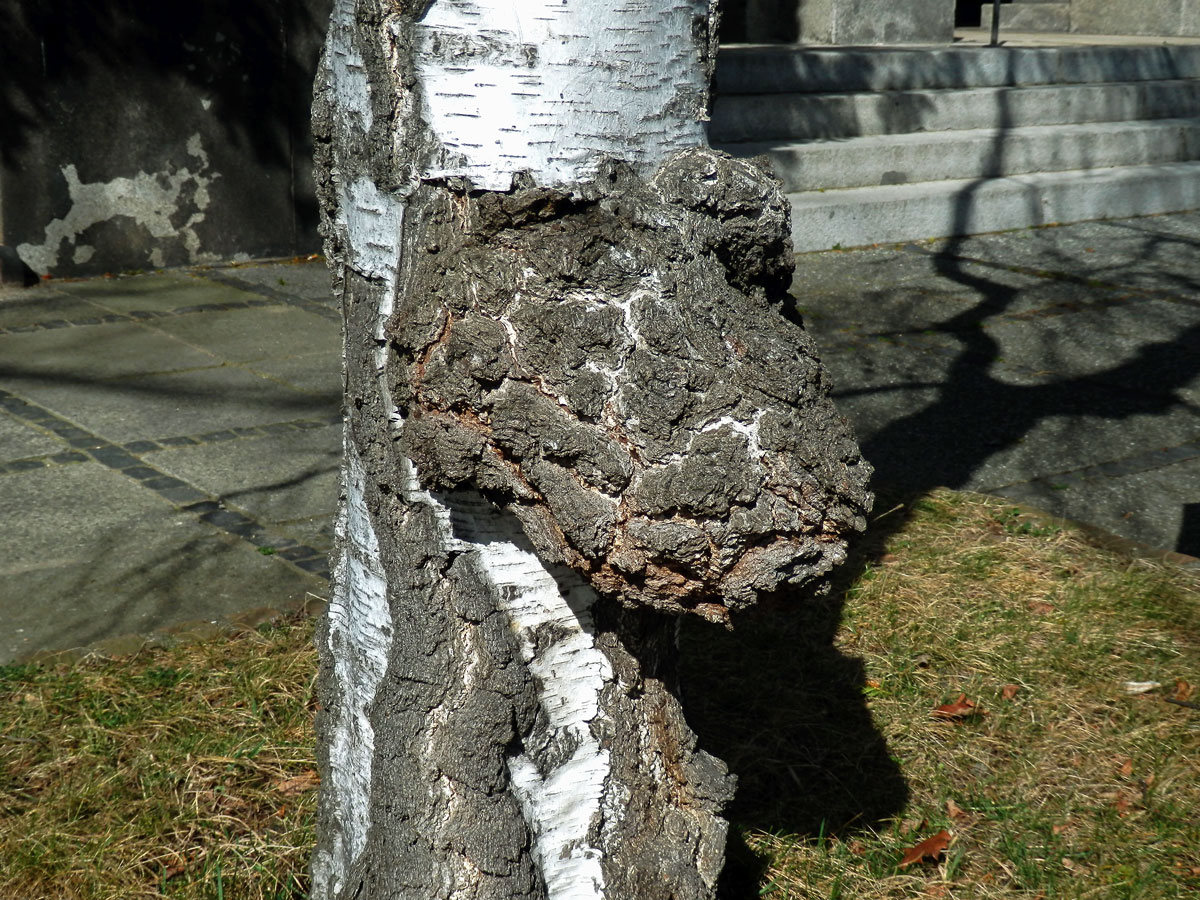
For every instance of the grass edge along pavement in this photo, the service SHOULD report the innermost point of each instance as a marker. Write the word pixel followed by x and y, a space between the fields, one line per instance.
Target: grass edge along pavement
pixel 186 770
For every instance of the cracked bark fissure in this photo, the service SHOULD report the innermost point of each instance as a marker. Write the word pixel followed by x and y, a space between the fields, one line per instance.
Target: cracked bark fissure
pixel 573 406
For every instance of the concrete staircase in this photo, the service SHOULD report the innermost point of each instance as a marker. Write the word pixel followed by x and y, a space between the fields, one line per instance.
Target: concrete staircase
pixel 881 145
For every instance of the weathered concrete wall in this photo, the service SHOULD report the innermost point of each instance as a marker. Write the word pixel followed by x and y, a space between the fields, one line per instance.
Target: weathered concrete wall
pixel 932 21
pixel 837 21
pixel 875 21
pixel 137 135
pixel 768 21
pixel 1164 17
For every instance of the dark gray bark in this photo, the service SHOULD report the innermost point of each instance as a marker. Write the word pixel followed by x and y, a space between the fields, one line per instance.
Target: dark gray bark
pixel 571 410
pixel 612 365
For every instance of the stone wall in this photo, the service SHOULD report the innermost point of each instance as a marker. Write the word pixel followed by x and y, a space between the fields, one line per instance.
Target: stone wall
pixel 876 21
pixel 1171 18
pixel 137 135
pixel 838 21
pixel 932 21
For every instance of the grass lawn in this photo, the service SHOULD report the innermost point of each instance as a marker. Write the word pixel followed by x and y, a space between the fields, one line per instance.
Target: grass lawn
pixel 187 772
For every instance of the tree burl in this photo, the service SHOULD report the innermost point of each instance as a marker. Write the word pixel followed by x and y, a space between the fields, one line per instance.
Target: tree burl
pixel 614 365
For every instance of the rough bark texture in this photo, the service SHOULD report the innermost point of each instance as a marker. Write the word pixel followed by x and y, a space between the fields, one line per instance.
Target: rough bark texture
pixel 572 404
pixel 612 365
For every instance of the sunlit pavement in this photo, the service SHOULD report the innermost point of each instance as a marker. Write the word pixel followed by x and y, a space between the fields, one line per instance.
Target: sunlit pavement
pixel 169 443
pixel 1058 367
pixel 169 447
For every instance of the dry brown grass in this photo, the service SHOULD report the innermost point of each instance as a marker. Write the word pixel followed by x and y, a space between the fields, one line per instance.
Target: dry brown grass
pixel 183 772
pixel 1063 786
pixel 188 772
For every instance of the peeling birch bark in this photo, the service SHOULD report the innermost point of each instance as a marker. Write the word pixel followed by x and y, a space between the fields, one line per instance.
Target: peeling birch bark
pixel 573 406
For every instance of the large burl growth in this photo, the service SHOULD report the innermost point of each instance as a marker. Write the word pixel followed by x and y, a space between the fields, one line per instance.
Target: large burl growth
pixel 613 364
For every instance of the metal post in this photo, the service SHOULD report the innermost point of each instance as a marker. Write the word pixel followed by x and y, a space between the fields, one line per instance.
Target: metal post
pixel 995 22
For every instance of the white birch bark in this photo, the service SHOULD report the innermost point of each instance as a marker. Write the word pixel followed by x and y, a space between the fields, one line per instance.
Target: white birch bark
pixel 547 87
pixel 491 726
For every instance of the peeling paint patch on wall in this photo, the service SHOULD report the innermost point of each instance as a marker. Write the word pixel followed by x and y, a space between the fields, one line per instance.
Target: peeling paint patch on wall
pixel 151 200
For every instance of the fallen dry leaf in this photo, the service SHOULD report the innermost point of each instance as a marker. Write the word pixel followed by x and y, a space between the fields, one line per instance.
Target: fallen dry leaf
pixel 960 709
pixel 954 811
pixel 1041 608
pixel 1009 691
pixel 298 784
pixel 1182 691
pixel 930 848
pixel 1126 767
pixel 1059 829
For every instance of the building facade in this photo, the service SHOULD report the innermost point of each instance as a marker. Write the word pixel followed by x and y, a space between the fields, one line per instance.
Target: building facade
pixel 135 136
pixel 873 22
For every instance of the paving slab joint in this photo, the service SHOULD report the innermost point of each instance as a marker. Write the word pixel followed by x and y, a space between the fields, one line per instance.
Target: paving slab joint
pixel 179 493
pixel 193 631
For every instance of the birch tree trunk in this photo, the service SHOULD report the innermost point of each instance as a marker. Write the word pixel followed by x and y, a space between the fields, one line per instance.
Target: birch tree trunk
pixel 573 410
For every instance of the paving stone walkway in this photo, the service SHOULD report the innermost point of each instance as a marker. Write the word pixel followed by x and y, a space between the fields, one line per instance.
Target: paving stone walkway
pixel 169 446
pixel 1059 367
pixel 169 443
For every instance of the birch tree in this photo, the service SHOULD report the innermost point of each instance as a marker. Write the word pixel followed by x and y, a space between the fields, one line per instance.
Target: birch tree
pixel 574 412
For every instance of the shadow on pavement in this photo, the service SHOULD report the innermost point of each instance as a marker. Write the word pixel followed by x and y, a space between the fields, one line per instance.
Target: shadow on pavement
pixel 776 698
pixel 149 482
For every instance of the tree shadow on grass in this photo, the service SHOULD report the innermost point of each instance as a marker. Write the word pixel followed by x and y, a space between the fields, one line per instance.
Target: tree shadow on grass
pixel 776 699
pixel 785 709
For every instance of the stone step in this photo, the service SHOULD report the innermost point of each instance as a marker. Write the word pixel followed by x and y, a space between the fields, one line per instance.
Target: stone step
pixel 780 69
pixel 1050 17
pixel 909 158
pixel 796 116
pixel 875 215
